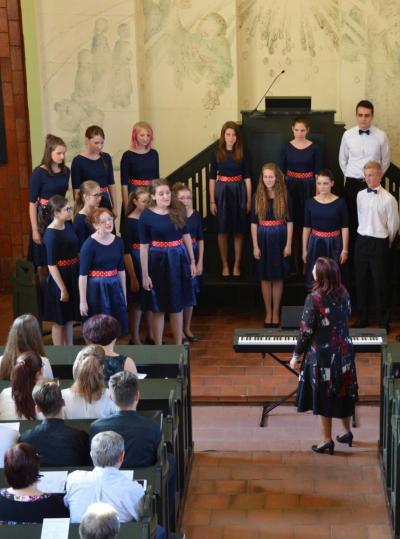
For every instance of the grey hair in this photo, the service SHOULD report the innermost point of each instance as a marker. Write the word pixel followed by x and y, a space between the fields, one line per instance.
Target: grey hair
pixel 100 521
pixel 105 448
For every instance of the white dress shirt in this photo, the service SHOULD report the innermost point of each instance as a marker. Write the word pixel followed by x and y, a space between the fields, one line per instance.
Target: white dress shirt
pixel 378 214
pixel 77 408
pixel 356 150
pixel 7 407
pixel 47 370
pixel 108 485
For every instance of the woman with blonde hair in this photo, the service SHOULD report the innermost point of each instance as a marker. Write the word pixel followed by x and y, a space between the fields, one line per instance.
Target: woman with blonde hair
pixel 24 336
pixel 88 397
pixel 87 199
pixel 271 232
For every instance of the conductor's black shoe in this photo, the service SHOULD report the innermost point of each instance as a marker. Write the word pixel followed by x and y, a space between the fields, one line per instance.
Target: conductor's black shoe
pixel 327 447
pixel 345 438
pixel 360 324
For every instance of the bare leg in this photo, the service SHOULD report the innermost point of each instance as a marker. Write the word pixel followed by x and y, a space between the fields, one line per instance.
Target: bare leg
pixel 176 321
pixel 57 334
pixel 223 252
pixel 187 319
pixel 134 317
pixel 157 322
pixel 326 428
pixel 69 334
pixel 346 421
pixel 266 289
pixel 238 243
pixel 148 318
pixel 277 289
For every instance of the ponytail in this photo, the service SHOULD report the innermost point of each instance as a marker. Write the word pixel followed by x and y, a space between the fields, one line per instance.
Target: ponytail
pixel 85 189
pixel 89 383
pixel 23 379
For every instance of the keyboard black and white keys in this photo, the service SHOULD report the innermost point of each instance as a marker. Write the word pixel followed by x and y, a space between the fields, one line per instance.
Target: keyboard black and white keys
pixel 276 340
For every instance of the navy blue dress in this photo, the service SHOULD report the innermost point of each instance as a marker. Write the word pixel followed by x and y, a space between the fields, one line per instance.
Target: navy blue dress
pixel 328 380
pixel 195 228
pixel 271 238
pixel 326 222
pixel 139 169
pixel 62 250
pixel 130 235
pixel 169 267
pixel 42 186
pixel 300 168
pixel 99 170
pixel 113 365
pixel 83 229
pixel 104 292
pixel 230 196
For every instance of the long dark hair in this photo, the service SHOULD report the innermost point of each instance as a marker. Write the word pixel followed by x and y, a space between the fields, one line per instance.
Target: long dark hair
pixel 91 132
pixel 237 152
pixel 51 144
pixel 328 281
pixel 23 379
pixel 177 210
pixel 56 203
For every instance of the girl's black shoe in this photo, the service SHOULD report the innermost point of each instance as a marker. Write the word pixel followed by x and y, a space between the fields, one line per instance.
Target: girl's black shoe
pixel 329 447
pixel 346 438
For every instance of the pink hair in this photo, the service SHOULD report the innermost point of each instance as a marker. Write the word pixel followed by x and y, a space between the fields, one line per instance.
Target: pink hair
pixel 136 127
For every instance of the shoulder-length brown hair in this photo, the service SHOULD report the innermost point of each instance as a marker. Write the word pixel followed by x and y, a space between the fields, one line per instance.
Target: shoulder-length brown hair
pixel 23 379
pixel 237 151
pixel 51 144
pixel 177 210
pixel 328 281
pixel 279 202
pixel 89 378
pixel 86 188
pixel 24 335
pixel 133 197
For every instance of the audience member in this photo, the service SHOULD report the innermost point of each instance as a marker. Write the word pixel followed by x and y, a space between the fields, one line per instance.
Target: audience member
pixel 16 402
pixel 88 397
pixel 104 330
pixel 24 336
pixel 100 521
pixel 56 443
pixel 23 502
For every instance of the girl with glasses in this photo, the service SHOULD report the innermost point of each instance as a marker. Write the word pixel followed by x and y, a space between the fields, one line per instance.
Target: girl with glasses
pixel 87 199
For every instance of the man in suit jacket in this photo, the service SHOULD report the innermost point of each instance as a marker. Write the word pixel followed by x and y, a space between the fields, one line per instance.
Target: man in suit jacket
pixel 56 443
pixel 141 435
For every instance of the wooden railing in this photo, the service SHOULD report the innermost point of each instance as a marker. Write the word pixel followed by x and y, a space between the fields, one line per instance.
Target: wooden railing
pixel 392 181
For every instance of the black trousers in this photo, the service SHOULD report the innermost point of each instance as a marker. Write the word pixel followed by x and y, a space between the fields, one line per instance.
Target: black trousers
pixel 351 189
pixel 372 264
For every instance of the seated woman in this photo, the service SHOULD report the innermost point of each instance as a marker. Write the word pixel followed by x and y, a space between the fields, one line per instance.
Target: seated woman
pixel 23 502
pixel 16 402
pixel 88 397
pixel 104 330
pixel 24 335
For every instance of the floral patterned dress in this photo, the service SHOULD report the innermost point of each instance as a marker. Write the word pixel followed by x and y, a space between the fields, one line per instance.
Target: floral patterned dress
pixel 328 380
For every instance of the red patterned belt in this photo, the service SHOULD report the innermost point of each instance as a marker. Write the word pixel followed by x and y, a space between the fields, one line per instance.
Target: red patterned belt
pixel 229 179
pixel 271 223
pixel 321 234
pixel 103 273
pixel 135 246
pixel 43 201
pixel 67 262
pixel 103 189
pixel 137 182
pixel 299 175
pixel 194 240
pixel 175 243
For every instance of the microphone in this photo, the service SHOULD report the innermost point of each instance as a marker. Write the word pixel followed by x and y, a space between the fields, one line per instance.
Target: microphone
pixel 268 89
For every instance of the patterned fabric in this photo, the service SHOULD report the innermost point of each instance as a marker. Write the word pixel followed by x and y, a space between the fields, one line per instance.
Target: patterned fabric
pixel 271 223
pixel 113 365
pixel 103 189
pixel 229 179
pixel 299 175
pixel 135 245
pixel 137 182
pixel 68 261
pixel 322 234
pixel 43 201
pixel 101 273
pixel 327 381
pixel 175 243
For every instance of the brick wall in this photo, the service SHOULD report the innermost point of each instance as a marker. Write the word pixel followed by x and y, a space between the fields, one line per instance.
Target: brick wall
pixel 14 176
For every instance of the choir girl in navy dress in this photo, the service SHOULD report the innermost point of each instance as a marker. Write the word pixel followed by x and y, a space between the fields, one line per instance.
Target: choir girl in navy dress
pixel 87 199
pixel 139 164
pixel 102 285
pixel 49 178
pixel 326 226
pixel 61 305
pixel 230 196
pixel 137 202
pixel 167 260
pixel 94 164
pixel 301 159
pixel 193 222
pixel 271 232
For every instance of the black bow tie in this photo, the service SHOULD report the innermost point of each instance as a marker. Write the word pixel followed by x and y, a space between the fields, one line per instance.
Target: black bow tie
pixel 369 190
pixel 361 132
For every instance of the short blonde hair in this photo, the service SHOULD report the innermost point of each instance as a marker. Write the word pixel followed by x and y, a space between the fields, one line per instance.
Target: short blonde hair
pixel 373 164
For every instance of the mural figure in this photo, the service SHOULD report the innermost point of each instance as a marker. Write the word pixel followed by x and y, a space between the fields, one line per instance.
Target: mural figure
pixel 83 77
pixel 121 81
pixel 101 59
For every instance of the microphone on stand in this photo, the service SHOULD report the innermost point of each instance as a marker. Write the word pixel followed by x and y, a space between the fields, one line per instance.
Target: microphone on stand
pixel 268 89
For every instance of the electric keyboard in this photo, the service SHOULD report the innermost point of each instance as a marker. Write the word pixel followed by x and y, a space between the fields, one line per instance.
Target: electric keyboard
pixel 279 340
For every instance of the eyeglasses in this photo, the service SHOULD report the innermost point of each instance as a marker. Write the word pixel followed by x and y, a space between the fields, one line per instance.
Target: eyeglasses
pixel 68 208
pixel 189 197
pixel 97 195
pixel 105 221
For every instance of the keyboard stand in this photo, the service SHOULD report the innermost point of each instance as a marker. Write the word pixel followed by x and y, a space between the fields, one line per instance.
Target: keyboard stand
pixel 269 406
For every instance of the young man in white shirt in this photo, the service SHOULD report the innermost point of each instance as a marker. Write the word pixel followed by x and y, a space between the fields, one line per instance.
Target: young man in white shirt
pixel 378 217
